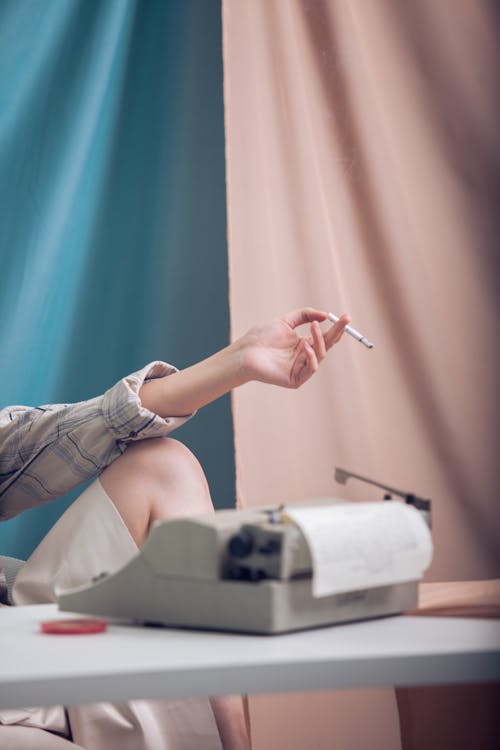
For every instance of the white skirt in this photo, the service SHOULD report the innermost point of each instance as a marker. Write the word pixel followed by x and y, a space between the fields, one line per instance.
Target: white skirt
pixel 89 538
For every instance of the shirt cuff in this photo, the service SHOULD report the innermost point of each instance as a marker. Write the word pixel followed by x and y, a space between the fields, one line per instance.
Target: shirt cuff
pixel 124 414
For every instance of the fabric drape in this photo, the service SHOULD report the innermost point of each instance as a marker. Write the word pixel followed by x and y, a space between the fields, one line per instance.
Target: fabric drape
pixel 363 167
pixel 112 235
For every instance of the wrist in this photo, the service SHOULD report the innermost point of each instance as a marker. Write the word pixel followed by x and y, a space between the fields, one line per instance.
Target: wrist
pixel 243 351
pixel 237 362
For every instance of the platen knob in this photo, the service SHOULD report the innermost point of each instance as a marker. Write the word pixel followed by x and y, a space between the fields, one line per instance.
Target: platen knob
pixel 241 544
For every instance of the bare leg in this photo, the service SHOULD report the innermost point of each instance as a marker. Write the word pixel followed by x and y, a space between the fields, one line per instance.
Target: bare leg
pixel 155 480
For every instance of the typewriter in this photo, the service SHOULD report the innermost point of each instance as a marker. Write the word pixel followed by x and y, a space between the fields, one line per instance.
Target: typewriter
pixel 272 569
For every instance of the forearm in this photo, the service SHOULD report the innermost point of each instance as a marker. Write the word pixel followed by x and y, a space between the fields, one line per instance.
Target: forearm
pixel 272 353
pixel 196 386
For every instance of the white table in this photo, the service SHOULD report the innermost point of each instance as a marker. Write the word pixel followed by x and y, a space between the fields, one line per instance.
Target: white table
pixel 133 662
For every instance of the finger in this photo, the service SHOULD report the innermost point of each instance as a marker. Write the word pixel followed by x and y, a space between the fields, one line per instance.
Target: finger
pixel 305 364
pixel 318 341
pixel 304 315
pixel 334 333
pixel 312 360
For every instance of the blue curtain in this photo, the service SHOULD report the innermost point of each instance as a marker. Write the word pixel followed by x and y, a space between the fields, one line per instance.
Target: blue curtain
pixel 113 227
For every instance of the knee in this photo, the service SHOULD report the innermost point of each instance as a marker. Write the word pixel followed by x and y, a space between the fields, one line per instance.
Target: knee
pixel 163 459
pixel 173 473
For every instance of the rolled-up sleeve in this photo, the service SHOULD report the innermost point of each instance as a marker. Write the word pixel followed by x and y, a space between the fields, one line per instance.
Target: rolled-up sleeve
pixel 124 414
pixel 47 451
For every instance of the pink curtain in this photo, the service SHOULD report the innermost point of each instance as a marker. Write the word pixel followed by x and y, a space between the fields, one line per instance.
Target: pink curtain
pixel 363 175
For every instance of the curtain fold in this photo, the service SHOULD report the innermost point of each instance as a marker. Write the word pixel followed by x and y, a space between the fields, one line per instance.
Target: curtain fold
pixel 113 229
pixel 363 175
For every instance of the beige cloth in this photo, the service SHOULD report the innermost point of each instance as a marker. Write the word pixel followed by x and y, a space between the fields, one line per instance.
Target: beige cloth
pixel 88 539
pixel 32 738
pixel 362 176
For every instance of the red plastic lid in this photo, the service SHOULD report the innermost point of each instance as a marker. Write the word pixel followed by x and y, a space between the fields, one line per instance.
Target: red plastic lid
pixel 75 626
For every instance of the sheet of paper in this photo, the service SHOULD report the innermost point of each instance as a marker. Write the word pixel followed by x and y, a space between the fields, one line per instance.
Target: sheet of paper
pixel 362 545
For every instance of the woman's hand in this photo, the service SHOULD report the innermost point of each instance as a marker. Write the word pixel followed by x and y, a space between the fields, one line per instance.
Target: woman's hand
pixel 272 353
pixel 275 353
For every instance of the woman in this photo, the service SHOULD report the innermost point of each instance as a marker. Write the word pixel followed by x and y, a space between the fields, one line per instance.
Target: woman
pixel 121 436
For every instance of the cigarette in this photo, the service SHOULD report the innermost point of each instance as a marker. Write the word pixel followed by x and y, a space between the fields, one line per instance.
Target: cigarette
pixel 352 332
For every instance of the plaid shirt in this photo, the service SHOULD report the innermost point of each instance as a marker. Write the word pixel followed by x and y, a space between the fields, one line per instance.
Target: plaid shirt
pixel 48 450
